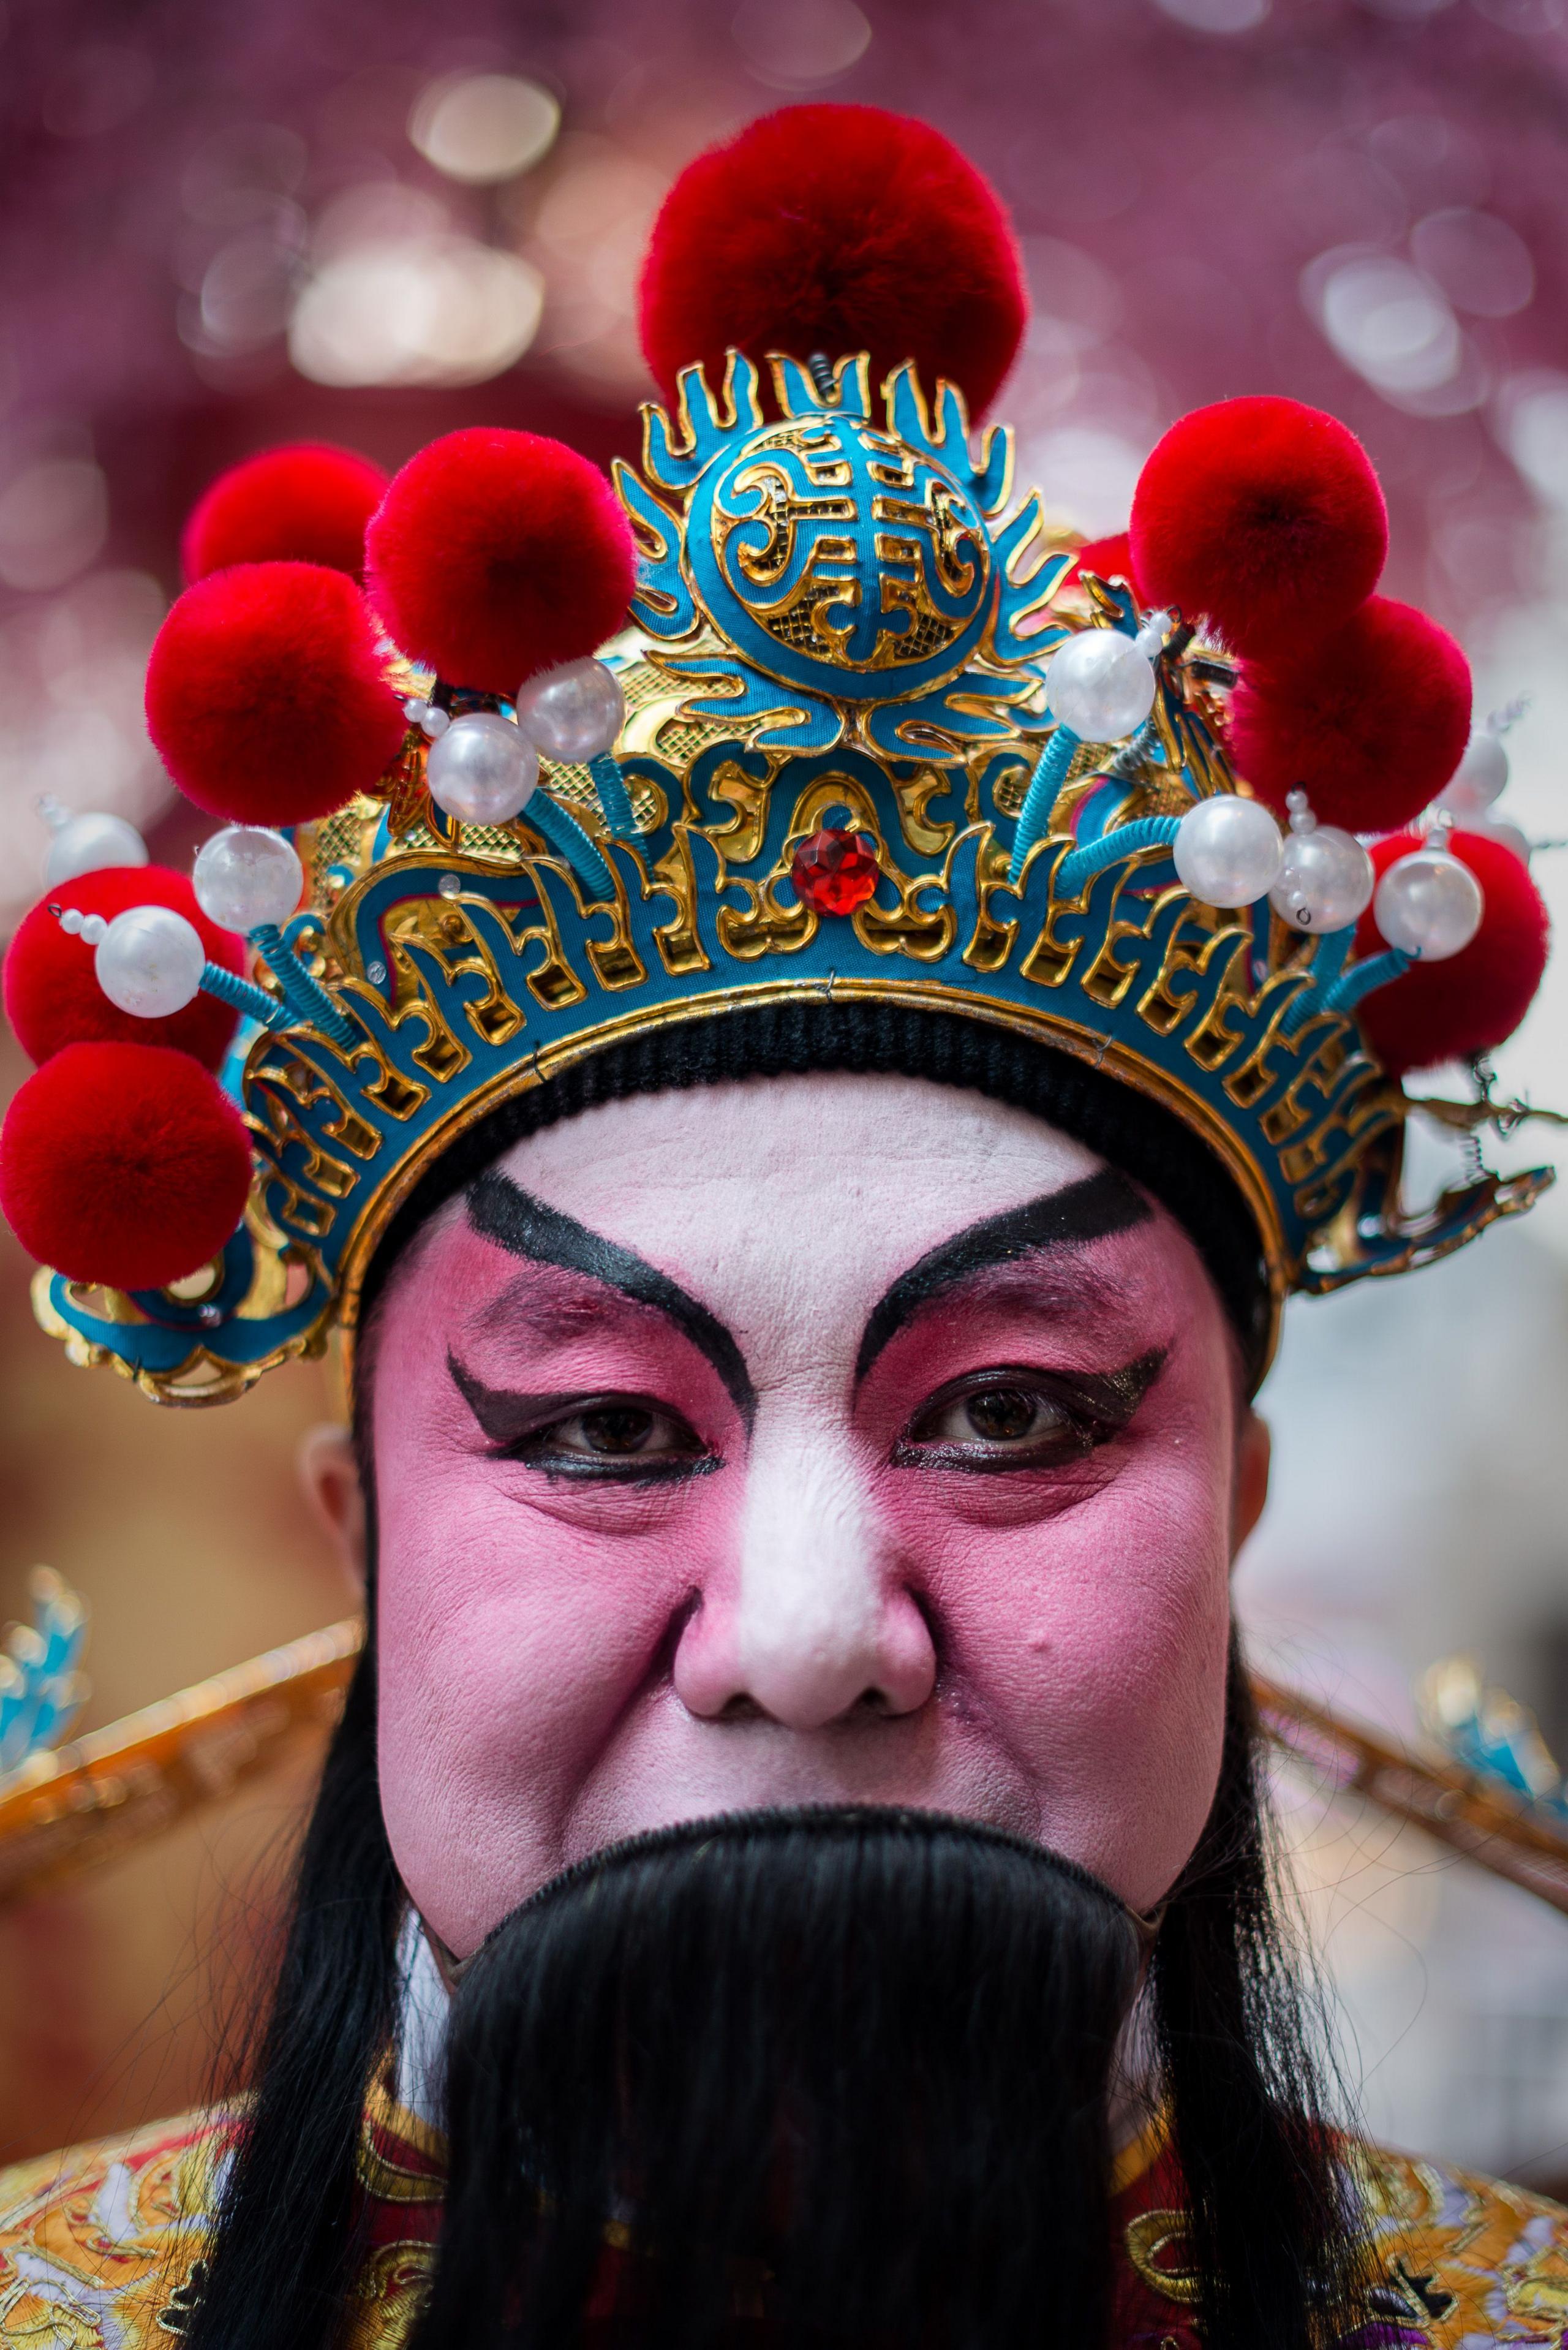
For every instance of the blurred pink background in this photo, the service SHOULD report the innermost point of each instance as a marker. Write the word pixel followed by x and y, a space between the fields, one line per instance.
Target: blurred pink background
pixel 225 226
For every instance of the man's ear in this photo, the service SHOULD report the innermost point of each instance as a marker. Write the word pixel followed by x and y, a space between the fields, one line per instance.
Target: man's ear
pixel 330 1474
pixel 1253 1446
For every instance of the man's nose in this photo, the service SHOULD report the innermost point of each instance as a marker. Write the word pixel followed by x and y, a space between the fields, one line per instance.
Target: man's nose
pixel 808 1619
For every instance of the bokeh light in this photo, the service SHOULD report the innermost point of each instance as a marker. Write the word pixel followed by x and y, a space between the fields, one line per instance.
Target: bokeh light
pixel 1386 319
pixel 796 44
pixel 247 290
pixel 1084 402
pixel 53 515
pixel 1087 475
pixel 584 229
pixel 484 127
pixel 1532 426
pixel 1483 264
pixel 417 310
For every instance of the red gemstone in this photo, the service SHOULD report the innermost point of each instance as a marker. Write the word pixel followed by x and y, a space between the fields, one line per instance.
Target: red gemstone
pixel 835 871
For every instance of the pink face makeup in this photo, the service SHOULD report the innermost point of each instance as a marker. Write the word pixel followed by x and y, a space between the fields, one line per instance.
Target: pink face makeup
pixel 808 1439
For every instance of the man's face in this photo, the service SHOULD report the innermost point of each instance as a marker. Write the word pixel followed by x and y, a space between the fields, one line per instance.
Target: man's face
pixel 802 1439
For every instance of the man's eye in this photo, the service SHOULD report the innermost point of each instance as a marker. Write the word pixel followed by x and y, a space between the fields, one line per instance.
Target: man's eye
pixel 1013 1417
pixel 613 1437
pixel 999 1416
pixel 1007 1415
pixel 620 1429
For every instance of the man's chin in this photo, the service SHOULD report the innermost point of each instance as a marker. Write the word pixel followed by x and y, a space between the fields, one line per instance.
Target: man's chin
pixel 743 2054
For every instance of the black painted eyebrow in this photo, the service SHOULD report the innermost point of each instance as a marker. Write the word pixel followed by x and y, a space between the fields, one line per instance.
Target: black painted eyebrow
pixel 1086 1211
pixel 501 1211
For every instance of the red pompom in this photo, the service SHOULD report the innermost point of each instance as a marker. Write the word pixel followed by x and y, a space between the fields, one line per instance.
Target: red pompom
pixel 835 229
pixel 307 502
pixel 125 1164
pixel 1264 517
pixel 52 995
pixel 1371 725
pixel 266 697
pixel 1448 1011
pixel 1107 558
pixel 494 555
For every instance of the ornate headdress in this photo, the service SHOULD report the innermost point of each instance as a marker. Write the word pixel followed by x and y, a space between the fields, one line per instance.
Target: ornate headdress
pixel 861 733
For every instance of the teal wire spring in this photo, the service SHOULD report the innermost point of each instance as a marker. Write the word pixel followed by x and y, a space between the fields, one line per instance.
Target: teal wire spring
pixel 1048 780
pixel 1081 865
pixel 614 797
pixel 306 997
pixel 569 841
pixel 253 1002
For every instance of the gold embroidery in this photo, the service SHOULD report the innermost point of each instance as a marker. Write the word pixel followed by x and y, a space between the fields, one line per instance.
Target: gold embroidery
pixel 100 2246
pixel 389 2296
pixel 1477 2261
pixel 182 2309
pixel 1156 2247
pixel 389 2126
pixel 1468 2261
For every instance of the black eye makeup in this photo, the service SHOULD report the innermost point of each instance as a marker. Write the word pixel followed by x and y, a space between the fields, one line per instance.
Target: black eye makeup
pixel 1008 1418
pixel 604 1439
pixel 1014 1418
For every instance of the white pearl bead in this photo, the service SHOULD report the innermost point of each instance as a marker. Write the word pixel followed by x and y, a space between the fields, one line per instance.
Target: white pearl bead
pixel 78 925
pixel 246 876
pixel 1479 778
pixel 1325 880
pixel 1227 851
pixel 1150 637
pixel 481 770
pixel 149 962
pixel 1429 904
pixel 1099 685
pixel 573 712
pixel 86 844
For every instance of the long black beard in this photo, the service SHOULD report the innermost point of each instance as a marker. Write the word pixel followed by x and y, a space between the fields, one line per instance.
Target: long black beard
pixel 845 2071
pixel 1276 2251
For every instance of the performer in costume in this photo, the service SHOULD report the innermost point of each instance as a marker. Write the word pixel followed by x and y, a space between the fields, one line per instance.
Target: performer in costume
pixel 800 1077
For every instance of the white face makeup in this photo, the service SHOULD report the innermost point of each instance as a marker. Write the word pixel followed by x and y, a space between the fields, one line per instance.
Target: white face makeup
pixel 799 1439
